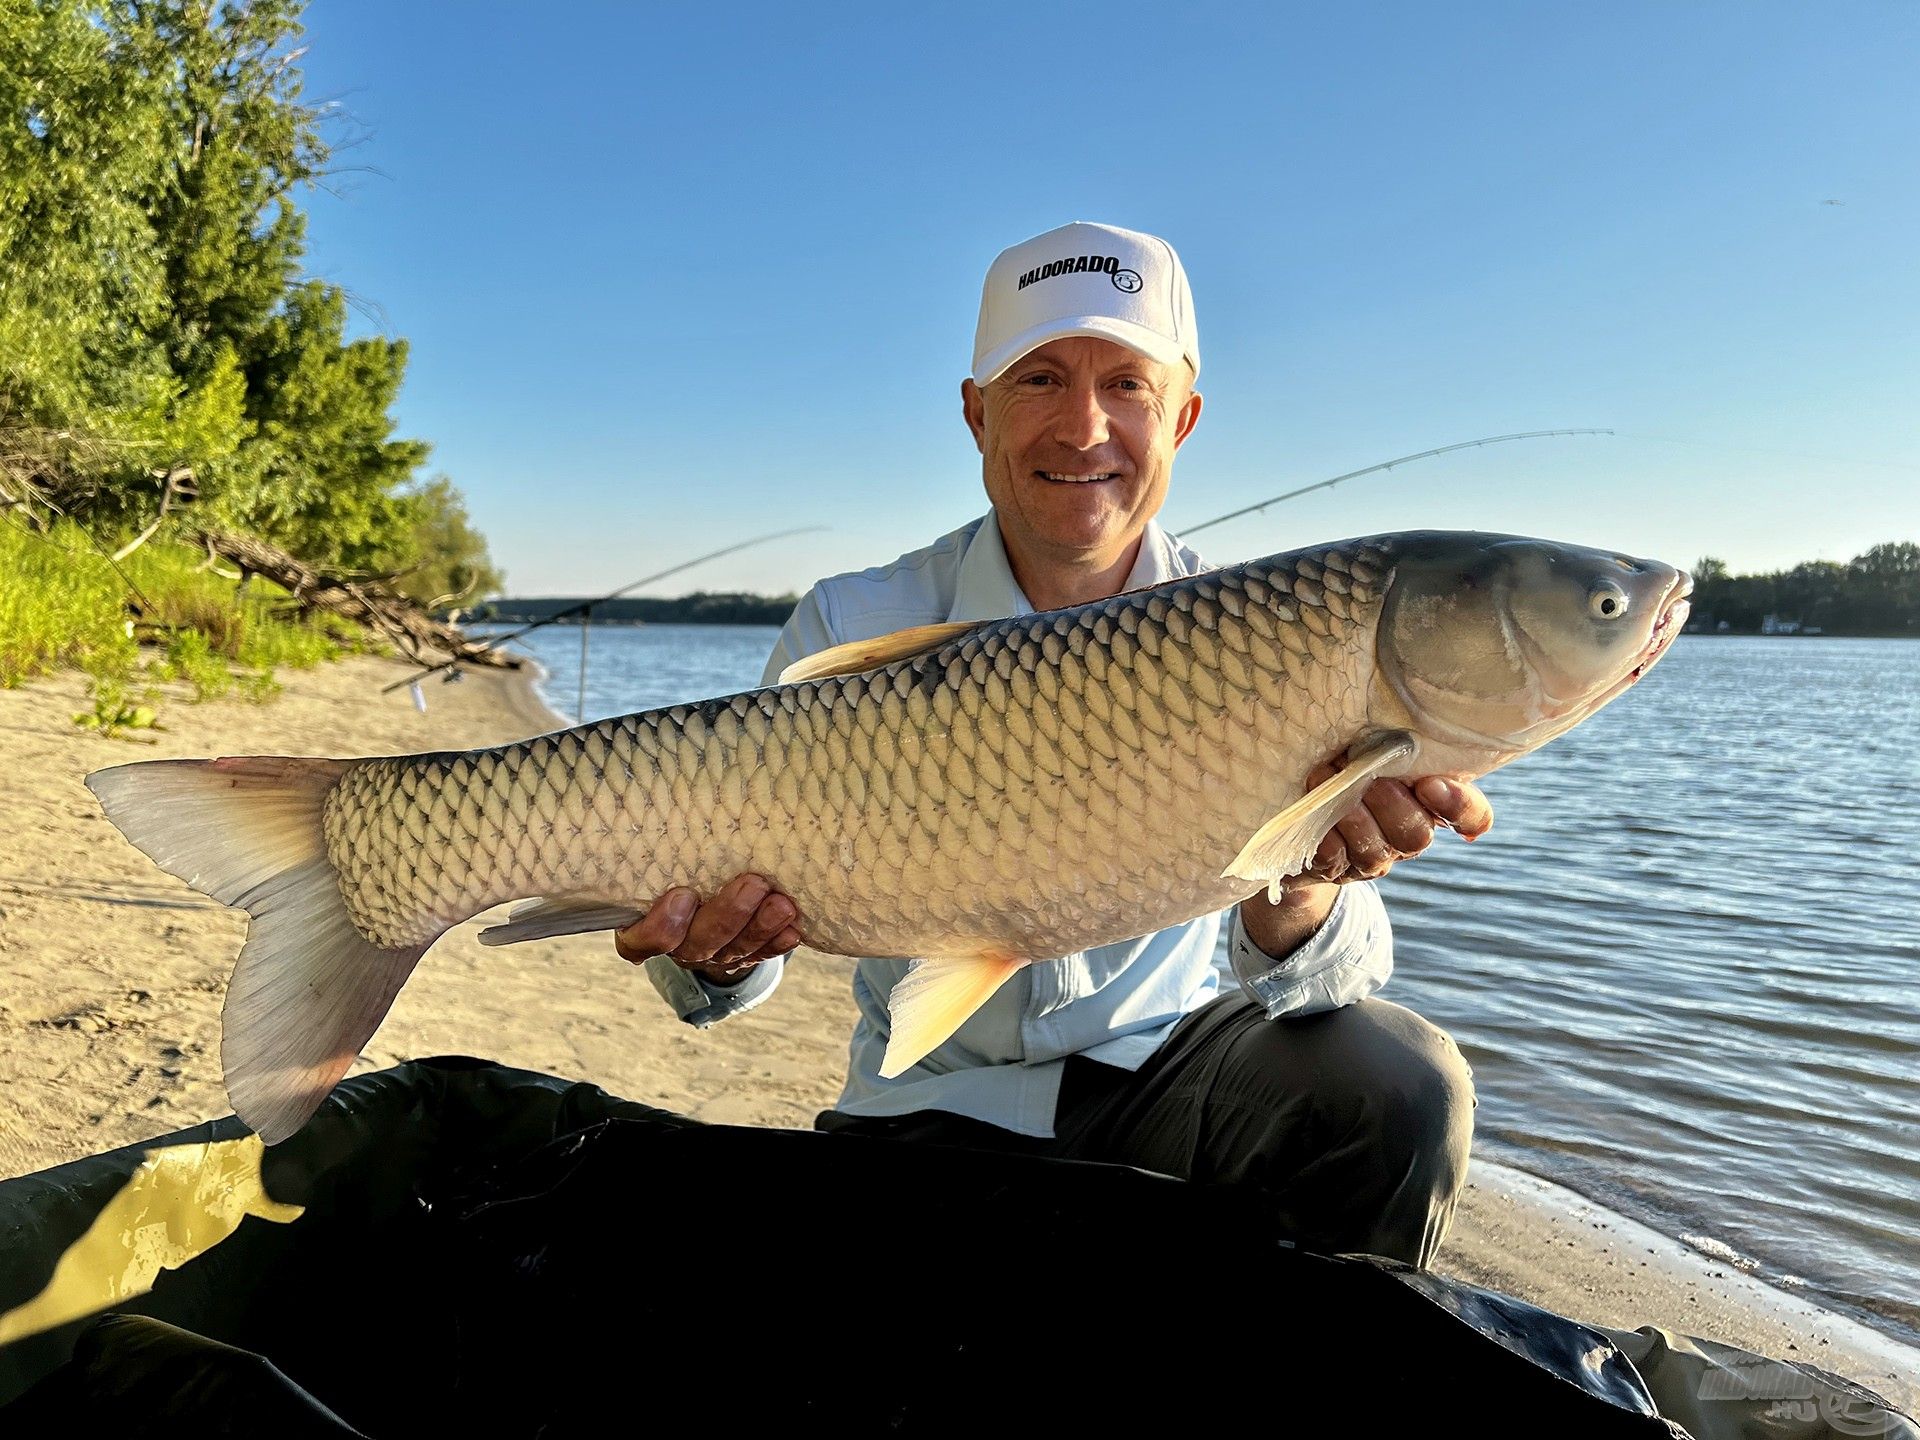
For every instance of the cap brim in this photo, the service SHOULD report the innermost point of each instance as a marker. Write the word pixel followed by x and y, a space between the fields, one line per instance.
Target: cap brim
pixel 1138 338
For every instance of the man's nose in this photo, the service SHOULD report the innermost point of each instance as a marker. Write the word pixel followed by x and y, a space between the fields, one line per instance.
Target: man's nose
pixel 1082 418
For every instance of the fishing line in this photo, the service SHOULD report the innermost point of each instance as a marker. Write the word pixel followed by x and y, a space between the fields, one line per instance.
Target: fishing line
pixel 493 642
pixel 1375 469
pixel 146 605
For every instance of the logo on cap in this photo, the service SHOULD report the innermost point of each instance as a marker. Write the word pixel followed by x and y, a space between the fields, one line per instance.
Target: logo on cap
pixel 1078 265
pixel 1127 280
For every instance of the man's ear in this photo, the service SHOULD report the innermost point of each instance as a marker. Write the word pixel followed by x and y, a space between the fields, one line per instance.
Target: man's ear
pixel 973 404
pixel 1188 417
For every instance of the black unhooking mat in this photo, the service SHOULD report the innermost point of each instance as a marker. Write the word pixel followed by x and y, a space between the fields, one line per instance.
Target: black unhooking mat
pixel 487 1251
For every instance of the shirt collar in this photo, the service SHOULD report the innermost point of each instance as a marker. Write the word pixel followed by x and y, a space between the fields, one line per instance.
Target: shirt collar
pixel 986 589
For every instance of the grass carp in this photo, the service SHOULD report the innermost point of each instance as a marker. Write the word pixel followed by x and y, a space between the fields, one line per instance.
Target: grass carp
pixel 981 795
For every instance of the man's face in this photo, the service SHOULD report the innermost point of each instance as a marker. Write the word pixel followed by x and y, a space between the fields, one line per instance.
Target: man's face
pixel 1076 441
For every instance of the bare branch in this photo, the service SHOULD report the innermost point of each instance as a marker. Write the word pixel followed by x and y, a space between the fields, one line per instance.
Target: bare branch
pixel 175 484
pixel 401 620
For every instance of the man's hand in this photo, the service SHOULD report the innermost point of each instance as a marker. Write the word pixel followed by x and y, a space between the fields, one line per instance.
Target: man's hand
pixel 1392 822
pixel 722 939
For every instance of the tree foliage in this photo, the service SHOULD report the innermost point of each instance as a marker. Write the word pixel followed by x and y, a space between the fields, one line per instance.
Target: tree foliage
pixel 1875 593
pixel 81 282
pixel 450 565
pixel 324 475
pixel 153 313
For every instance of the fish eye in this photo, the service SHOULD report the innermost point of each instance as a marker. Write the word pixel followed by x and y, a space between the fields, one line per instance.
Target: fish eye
pixel 1607 602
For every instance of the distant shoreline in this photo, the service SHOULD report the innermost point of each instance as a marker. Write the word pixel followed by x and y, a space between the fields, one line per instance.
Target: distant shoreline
pixel 700 608
pixel 1799 635
pixel 775 613
pixel 599 624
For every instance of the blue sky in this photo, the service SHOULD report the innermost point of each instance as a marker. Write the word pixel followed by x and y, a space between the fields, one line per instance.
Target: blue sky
pixel 673 275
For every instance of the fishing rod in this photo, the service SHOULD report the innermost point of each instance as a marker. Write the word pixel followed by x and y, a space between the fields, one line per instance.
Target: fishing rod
pixel 493 642
pixel 1384 465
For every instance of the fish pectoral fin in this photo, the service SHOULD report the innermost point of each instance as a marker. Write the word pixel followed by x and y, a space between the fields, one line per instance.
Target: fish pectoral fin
pixel 935 998
pixel 1284 846
pixel 568 915
pixel 858 656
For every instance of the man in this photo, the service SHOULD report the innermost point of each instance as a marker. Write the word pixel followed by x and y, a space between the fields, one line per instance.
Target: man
pixel 1351 1115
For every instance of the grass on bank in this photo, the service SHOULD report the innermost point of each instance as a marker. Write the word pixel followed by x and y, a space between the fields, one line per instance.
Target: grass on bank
pixel 62 605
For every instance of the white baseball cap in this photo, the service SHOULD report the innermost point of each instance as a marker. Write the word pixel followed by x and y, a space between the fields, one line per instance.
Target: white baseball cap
pixel 1085 279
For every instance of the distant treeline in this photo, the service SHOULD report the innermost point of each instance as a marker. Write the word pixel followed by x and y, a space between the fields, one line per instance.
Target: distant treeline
pixel 1872 594
pixel 1875 593
pixel 703 608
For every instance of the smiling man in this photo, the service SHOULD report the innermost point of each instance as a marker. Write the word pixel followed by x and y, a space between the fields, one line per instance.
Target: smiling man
pixel 1350 1115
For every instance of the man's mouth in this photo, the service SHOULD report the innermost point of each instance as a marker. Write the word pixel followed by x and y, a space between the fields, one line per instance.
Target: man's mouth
pixel 1063 477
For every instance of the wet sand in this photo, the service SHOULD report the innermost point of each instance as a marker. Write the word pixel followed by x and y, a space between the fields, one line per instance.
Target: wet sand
pixel 111 975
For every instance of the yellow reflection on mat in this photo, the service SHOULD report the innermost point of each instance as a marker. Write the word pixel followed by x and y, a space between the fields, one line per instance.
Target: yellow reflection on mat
pixel 181 1202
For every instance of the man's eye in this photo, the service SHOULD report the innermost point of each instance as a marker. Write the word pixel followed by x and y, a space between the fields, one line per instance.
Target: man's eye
pixel 1130 382
pixel 1036 379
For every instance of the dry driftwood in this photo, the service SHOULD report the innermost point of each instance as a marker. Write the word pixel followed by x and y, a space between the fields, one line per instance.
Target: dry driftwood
pixel 47 473
pixel 176 483
pixel 401 620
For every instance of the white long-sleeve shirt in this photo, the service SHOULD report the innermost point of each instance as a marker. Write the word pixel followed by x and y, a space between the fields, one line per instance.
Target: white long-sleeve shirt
pixel 1114 1003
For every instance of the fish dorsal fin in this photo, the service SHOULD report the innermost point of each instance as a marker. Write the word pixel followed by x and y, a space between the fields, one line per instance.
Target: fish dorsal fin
pixel 858 656
pixel 1285 844
pixel 935 998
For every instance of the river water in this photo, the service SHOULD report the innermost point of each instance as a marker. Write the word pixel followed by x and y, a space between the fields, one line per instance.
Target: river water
pixel 1685 965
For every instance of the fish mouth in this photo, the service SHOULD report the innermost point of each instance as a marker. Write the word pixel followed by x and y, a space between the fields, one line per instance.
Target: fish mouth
pixel 1674 609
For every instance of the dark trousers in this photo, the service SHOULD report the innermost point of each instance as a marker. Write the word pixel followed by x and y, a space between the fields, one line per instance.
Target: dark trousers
pixel 1353 1124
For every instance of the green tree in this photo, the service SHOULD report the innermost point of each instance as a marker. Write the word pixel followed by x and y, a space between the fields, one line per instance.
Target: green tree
pixel 1877 592
pixel 81 281
pixel 152 310
pixel 240 142
pixel 1812 592
pixel 1712 589
pixel 445 560
pixel 328 475
pixel 1885 583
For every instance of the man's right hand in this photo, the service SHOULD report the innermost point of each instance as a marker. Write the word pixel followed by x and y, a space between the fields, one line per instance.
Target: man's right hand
pixel 722 939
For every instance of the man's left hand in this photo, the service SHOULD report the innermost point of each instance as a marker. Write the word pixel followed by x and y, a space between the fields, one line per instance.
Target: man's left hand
pixel 1392 821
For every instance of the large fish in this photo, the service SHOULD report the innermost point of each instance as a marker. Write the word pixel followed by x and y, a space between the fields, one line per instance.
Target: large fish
pixel 982 795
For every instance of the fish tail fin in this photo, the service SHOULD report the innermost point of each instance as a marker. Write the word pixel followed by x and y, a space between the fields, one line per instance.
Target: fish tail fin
pixel 934 999
pixel 309 989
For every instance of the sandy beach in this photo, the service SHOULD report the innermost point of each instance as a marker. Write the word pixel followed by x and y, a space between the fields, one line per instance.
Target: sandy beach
pixel 111 975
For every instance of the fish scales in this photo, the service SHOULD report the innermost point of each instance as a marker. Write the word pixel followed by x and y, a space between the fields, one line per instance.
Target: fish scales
pixel 997 794
pixel 956 826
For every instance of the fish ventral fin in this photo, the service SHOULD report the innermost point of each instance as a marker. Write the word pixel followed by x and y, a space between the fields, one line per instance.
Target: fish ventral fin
pixel 566 915
pixel 858 656
pixel 1284 846
pixel 935 998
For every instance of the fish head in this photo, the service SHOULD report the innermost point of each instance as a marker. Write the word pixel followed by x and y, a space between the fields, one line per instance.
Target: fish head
pixel 1494 644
